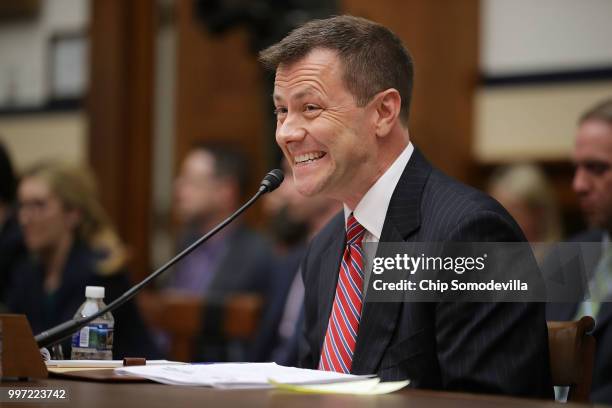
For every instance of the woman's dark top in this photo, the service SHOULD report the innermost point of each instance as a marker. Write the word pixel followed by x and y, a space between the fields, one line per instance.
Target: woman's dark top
pixel 44 310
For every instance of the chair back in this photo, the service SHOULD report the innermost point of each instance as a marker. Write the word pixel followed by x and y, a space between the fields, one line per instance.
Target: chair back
pixel 181 317
pixel 572 353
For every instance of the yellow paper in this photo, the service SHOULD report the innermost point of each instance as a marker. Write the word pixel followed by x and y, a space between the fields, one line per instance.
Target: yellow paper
pixel 370 386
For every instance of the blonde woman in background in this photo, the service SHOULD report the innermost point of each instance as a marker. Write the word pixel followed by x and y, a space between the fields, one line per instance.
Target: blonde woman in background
pixel 72 245
pixel 527 195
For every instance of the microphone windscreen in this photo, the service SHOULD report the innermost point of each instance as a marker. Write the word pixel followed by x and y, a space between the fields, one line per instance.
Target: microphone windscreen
pixel 272 180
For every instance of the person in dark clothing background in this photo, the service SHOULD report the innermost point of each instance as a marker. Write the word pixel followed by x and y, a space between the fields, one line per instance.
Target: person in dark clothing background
pixel 282 321
pixel 211 184
pixel 592 184
pixel 72 245
pixel 12 248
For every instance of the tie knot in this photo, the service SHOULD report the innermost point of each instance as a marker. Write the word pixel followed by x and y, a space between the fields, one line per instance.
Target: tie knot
pixel 354 231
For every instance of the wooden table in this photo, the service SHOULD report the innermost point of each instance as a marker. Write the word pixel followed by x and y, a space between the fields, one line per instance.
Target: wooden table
pixel 150 395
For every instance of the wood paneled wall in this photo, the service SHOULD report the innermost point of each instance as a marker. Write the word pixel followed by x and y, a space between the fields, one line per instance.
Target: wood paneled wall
pixel 442 37
pixel 220 89
pixel 219 93
pixel 120 106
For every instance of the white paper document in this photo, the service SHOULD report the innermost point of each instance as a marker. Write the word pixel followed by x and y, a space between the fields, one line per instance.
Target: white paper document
pixel 236 375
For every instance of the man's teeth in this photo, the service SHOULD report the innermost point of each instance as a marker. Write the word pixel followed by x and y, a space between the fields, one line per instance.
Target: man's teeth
pixel 308 157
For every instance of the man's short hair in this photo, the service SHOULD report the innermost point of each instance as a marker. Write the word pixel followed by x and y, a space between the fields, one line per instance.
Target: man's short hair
pixel 373 57
pixel 228 162
pixel 602 111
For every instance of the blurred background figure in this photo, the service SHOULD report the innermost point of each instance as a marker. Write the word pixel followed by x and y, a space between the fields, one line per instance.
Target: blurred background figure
pixel 209 188
pixel 525 192
pixel 12 249
pixel 593 185
pixel 295 220
pixel 72 245
pixel 593 160
pixel 292 219
pixel 286 231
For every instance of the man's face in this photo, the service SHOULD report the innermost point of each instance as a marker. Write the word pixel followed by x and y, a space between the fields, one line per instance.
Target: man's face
pixel 328 140
pixel 195 187
pixel 593 177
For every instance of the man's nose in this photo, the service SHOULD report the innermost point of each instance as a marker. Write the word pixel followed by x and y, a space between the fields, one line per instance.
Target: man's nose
pixel 290 130
pixel 581 183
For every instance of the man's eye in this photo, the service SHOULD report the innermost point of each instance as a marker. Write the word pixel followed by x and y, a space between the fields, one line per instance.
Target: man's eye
pixel 310 108
pixel 597 168
pixel 280 111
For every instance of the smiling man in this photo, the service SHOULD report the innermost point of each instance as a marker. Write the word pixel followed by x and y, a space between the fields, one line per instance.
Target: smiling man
pixel 342 96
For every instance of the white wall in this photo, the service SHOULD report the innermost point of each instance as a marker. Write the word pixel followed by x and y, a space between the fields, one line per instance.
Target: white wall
pixel 24 50
pixel 532 122
pixel 538 121
pixel 23 82
pixel 30 138
pixel 519 36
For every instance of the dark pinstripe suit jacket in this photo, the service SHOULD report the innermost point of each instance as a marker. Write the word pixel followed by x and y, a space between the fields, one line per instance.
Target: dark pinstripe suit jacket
pixel 478 347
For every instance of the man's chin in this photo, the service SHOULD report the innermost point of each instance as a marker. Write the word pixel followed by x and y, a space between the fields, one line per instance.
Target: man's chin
pixel 308 189
pixel 308 192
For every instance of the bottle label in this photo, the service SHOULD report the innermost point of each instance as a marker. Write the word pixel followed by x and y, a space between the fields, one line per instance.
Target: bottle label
pixel 98 336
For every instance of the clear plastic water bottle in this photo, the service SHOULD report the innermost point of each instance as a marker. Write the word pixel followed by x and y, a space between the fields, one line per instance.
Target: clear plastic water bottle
pixel 94 341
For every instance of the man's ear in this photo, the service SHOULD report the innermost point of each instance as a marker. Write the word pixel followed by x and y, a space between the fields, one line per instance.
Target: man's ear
pixel 388 104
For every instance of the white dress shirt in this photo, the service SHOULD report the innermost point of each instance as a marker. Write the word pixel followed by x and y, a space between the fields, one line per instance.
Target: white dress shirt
pixel 371 211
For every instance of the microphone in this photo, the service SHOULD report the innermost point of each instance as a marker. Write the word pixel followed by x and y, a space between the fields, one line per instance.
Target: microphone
pixel 272 180
pixel 54 335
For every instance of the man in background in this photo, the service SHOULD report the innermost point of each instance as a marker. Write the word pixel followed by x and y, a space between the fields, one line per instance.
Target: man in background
pixel 282 323
pixel 209 188
pixel 593 186
pixel 524 190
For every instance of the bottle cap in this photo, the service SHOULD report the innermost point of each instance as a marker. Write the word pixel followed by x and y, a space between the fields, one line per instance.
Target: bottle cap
pixel 96 292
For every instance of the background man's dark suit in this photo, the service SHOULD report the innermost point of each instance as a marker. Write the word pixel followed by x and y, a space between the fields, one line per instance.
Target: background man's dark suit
pixel 480 347
pixel 245 268
pixel 601 389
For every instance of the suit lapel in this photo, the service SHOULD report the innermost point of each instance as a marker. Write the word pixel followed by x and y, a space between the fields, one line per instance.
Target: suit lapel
pixel 328 279
pixel 378 319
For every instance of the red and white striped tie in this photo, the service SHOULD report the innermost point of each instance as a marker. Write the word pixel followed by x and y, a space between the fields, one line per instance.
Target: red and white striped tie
pixel 343 326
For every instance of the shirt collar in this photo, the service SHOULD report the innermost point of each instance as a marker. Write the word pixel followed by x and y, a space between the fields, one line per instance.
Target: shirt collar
pixel 372 209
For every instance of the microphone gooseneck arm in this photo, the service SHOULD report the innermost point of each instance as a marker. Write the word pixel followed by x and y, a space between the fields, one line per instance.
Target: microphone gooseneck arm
pixel 64 330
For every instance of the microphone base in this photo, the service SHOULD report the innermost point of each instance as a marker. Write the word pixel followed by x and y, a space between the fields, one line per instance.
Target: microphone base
pixel 20 357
